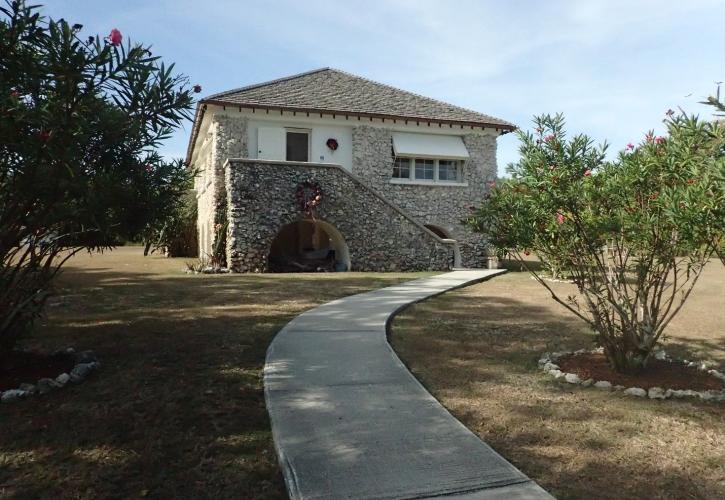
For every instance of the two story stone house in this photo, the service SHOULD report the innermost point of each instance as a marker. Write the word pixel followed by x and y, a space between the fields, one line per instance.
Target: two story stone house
pixel 328 167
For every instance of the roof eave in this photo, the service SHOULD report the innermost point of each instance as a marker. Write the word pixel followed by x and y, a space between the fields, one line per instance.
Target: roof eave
pixel 503 128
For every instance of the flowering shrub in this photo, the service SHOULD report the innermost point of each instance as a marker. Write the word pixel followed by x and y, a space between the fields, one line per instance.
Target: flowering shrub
pixel 634 233
pixel 80 120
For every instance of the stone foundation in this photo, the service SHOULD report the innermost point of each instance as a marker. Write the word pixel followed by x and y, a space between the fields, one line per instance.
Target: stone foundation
pixel 379 236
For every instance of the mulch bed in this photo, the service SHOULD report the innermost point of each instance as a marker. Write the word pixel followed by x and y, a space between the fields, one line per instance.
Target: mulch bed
pixel 29 367
pixel 658 373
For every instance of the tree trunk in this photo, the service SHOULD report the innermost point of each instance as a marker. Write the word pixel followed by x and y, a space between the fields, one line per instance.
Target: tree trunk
pixel 630 361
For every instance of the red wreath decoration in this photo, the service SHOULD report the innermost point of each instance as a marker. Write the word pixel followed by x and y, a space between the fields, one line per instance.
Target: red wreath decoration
pixel 332 144
pixel 308 195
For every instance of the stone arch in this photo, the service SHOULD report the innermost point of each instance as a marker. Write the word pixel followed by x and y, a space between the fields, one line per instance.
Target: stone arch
pixel 445 234
pixel 308 245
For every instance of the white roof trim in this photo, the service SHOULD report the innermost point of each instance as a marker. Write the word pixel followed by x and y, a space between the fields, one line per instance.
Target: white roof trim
pixel 429 146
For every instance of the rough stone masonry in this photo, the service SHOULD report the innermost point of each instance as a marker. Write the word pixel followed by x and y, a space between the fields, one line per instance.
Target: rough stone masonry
pixel 382 222
pixel 380 237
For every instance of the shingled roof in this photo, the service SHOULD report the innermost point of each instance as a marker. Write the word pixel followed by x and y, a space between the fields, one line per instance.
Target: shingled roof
pixel 329 90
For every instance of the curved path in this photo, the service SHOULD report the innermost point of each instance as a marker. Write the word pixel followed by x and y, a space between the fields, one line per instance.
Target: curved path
pixel 350 421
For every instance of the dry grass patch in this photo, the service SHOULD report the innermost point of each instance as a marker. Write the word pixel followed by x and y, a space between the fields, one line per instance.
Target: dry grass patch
pixel 476 350
pixel 177 410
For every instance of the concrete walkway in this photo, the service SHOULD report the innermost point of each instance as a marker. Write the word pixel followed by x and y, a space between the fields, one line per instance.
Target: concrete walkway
pixel 350 421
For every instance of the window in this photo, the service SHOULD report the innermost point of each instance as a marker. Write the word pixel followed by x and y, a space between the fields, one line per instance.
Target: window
pixel 448 170
pixel 298 145
pixel 401 168
pixel 425 170
pixel 428 170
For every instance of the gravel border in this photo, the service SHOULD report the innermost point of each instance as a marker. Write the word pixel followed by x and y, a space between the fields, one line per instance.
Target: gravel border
pixel 547 363
pixel 85 364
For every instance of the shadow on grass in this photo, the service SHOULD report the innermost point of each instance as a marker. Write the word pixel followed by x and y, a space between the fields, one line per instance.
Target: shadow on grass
pixel 177 410
pixel 478 354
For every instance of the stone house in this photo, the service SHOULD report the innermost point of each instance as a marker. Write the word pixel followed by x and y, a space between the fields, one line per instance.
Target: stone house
pixel 330 169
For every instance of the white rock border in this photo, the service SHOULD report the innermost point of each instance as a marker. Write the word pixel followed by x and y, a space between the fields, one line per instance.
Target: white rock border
pixel 209 270
pixel 85 364
pixel 547 363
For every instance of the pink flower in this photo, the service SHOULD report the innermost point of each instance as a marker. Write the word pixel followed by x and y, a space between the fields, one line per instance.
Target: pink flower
pixel 115 37
pixel 15 94
pixel 197 88
pixel 659 140
pixel 560 218
pixel 549 138
pixel 587 173
pixel 630 146
pixel 492 184
pixel 149 168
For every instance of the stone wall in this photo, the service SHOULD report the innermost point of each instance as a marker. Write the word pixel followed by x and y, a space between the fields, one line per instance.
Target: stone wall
pixel 438 205
pixel 261 199
pixel 226 138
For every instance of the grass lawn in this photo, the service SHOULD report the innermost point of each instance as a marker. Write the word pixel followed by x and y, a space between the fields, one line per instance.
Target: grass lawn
pixel 476 350
pixel 177 410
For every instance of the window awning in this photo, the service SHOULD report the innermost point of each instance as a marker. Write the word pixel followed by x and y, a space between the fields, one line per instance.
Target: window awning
pixel 429 146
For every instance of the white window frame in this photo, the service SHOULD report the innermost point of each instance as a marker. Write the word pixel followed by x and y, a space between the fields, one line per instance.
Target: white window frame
pixel 430 182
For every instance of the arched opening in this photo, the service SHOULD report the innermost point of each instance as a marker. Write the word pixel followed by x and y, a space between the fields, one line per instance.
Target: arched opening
pixel 446 235
pixel 308 246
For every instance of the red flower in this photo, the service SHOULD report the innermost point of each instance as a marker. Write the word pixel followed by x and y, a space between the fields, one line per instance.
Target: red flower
pixel 560 218
pixel 527 252
pixel 690 181
pixel 630 146
pixel 587 173
pixel 44 135
pixel 197 88
pixel 659 140
pixel 115 37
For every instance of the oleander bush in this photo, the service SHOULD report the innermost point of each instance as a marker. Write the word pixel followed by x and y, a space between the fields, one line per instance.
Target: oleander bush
pixel 80 122
pixel 633 234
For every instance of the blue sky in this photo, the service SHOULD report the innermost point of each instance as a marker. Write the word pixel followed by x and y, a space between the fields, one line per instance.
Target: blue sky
pixel 613 67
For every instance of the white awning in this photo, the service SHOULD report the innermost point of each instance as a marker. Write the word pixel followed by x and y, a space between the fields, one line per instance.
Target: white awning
pixel 429 146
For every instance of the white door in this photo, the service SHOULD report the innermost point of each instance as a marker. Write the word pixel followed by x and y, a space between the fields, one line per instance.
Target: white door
pixel 271 143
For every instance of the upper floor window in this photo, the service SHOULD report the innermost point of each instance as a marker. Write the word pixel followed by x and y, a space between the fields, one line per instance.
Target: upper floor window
pixel 428 170
pixel 425 169
pixel 298 145
pixel 401 168
pixel 449 170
